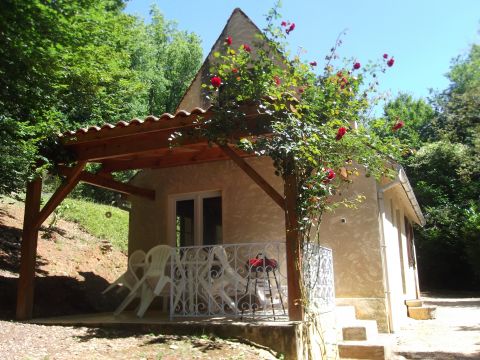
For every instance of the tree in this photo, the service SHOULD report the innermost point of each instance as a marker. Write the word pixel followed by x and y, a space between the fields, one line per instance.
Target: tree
pixel 445 179
pixel 417 116
pixel 459 105
pixel 71 63
pixel 445 174
pixel 167 59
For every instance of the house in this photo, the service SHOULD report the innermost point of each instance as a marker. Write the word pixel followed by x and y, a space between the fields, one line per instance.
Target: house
pixel 374 255
pixel 228 213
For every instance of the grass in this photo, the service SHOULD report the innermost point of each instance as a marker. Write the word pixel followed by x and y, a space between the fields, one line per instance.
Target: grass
pixel 102 221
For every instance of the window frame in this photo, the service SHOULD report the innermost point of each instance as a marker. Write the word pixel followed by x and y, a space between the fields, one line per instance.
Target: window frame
pixel 197 198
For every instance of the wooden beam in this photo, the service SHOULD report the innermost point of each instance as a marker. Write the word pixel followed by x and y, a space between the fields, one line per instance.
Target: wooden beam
pixel 170 159
pixel 137 144
pixel 63 190
pixel 254 175
pixel 26 279
pixel 148 142
pixel 293 249
pixel 108 183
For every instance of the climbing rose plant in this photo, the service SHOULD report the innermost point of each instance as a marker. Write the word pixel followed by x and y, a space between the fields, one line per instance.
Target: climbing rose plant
pixel 317 120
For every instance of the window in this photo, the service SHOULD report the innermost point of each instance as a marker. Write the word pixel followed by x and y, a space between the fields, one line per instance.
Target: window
pixel 410 241
pixel 196 219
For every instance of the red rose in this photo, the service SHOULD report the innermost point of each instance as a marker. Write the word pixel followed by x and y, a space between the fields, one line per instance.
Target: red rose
pixel 385 56
pixel 342 131
pixel 216 81
pixel 235 70
pixel 398 126
pixel 313 63
pixel 284 23
pixel 228 40
pixel 329 176
pixel 291 28
pixel 246 48
pixel 356 66
pixel 277 80
pixel 390 62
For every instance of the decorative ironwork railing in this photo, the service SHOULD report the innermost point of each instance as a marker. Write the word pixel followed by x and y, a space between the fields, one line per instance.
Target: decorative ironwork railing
pixel 242 280
pixel 246 281
pixel 318 277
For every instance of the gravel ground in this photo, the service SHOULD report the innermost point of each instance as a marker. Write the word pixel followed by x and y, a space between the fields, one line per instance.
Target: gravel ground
pixel 454 334
pixel 20 341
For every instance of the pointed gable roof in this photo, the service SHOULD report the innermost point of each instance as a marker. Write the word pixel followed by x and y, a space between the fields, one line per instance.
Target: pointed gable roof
pixel 243 31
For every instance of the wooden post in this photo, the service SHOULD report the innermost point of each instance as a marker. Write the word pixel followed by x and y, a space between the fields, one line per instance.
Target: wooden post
pixel 293 241
pixel 28 251
pixel 32 221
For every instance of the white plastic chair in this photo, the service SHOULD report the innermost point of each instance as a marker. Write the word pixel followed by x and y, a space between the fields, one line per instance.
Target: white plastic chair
pixel 129 278
pixel 227 277
pixel 155 266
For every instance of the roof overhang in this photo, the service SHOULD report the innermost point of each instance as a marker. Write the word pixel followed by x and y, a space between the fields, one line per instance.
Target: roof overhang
pixel 402 183
pixel 167 141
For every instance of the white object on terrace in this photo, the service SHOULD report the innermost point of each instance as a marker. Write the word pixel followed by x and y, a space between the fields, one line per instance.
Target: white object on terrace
pixel 247 281
pixel 129 278
pixel 214 281
pixel 155 266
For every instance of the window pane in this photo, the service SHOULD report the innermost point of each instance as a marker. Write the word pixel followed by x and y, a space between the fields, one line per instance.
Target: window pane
pixel 212 221
pixel 185 223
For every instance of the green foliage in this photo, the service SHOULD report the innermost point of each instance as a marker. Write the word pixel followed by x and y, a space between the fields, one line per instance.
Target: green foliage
pixel 459 105
pixel 417 116
pixel 167 59
pixel 102 221
pixel 312 117
pixel 445 173
pixel 69 64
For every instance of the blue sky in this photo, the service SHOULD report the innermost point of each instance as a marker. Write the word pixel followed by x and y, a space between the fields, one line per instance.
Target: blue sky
pixel 422 35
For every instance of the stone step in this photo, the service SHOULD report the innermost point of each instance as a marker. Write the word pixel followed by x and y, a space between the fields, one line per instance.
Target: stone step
pixel 345 314
pixel 414 303
pixel 378 349
pixel 422 312
pixel 359 330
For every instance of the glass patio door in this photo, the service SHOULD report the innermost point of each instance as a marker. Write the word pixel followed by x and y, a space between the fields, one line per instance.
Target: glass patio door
pixel 198 219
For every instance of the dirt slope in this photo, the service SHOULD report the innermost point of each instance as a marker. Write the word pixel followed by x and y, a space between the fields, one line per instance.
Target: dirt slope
pixel 71 267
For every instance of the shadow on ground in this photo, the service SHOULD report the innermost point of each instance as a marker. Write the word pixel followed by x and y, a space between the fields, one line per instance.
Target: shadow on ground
pixel 60 295
pixel 204 343
pixel 53 295
pixel 456 304
pixel 10 240
pixel 438 356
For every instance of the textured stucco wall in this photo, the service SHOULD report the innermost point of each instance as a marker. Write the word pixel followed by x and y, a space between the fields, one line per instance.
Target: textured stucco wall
pixel 249 215
pixel 401 275
pixel 354 237
pixel 355 243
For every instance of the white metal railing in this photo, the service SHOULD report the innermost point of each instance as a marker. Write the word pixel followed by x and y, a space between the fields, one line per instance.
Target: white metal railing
pixel 318 277
pixel 246 281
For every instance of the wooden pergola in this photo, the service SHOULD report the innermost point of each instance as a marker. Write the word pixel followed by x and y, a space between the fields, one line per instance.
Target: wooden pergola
pixel 141 144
